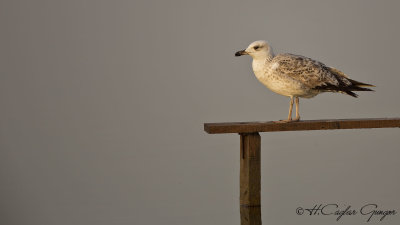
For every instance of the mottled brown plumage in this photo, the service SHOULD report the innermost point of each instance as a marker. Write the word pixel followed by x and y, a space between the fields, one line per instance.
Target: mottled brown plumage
pixel 316 75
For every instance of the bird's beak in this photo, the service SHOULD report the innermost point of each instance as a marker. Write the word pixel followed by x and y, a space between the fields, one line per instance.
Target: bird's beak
pixel 242 52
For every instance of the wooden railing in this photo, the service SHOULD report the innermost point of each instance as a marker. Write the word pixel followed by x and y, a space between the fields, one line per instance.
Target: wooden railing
pixel 250 152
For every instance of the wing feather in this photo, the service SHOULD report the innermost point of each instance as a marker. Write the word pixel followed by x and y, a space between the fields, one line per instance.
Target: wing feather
pixel 316 75
pixel 309 72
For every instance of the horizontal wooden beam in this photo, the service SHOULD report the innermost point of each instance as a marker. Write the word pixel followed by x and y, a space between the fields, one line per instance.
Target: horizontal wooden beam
pixel 252 127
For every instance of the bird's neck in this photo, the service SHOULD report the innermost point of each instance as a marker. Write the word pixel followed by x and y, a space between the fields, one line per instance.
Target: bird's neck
pixel 261 63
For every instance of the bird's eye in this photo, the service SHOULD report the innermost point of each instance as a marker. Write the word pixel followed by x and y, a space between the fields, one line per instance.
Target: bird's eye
pixel 256 47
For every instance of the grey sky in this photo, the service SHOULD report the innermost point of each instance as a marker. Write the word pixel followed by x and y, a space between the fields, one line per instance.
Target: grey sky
pixel 102 105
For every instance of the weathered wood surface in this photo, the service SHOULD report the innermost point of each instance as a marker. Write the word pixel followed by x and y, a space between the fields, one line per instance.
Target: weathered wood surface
pixel 250 215
pixel 250 169
pixel 252 127
pixel 250 178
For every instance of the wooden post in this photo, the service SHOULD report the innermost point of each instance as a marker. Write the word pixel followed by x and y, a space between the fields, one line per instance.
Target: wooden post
pixel 250 152
pixel 250 179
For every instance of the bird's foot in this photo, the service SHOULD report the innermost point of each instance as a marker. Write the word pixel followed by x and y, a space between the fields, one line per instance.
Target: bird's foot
pixel 296 119
pixel 288 120
pixel 283 121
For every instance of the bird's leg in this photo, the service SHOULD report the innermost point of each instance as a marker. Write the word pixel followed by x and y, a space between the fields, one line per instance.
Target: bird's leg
pixel 297 109
pixel 290 112
pixel 290 109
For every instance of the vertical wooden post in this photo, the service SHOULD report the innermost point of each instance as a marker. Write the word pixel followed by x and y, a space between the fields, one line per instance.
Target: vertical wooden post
pixel 250 179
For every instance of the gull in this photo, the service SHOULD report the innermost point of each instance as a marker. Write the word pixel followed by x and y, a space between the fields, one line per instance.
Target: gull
pixel 297 76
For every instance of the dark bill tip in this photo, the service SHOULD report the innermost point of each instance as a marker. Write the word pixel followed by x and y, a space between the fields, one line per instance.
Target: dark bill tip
pixel 242 52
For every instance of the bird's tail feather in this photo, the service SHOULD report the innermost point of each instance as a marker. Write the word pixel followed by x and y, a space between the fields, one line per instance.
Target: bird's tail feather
pixel 346 88
pixel 352 94
pixel 360 84
pixel 350 90
pixel 343 75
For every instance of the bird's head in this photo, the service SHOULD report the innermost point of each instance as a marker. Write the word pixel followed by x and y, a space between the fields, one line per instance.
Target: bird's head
pixel 257 50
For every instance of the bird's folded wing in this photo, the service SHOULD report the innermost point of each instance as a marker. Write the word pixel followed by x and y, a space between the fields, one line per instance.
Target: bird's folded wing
pixel 309 72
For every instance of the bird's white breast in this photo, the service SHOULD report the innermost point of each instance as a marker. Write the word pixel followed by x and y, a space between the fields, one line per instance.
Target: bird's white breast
pixel 266 73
